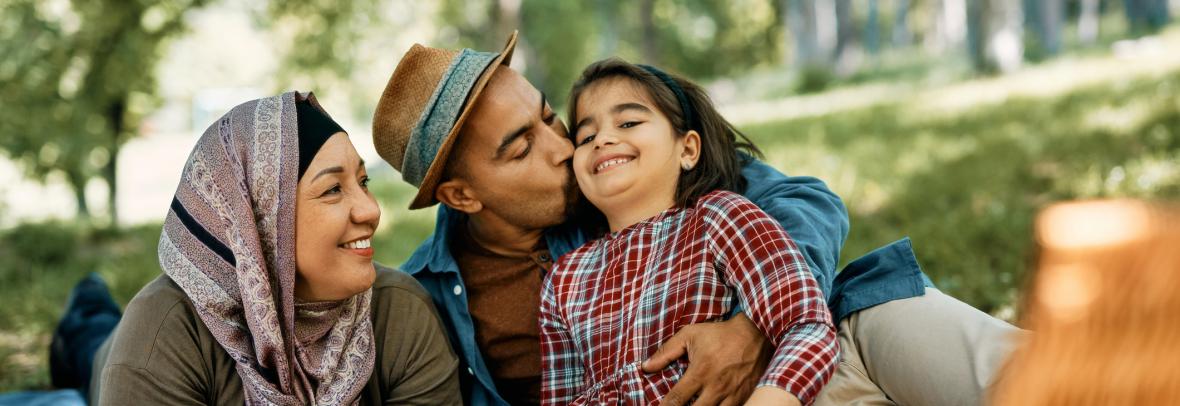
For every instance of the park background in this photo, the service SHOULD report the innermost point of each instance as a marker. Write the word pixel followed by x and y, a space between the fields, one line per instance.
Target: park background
pixel 949 121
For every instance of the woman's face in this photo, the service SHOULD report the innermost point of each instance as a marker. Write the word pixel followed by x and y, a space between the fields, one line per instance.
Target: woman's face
pixel 626 152
pixel 335 217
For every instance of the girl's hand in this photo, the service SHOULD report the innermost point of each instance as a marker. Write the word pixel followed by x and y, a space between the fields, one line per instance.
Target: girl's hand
pixel 769 395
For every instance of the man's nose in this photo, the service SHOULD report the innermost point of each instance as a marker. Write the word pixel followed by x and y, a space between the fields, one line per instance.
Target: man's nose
pixel 562 147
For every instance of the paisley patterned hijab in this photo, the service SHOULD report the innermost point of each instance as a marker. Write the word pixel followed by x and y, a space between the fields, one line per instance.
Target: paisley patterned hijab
pixel 229 243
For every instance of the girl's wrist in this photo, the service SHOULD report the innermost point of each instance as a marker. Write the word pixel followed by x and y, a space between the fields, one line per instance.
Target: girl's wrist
pixel 770 395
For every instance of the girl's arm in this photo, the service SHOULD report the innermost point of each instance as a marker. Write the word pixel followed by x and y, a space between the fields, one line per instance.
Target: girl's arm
pixel 777 290
pixel 561 364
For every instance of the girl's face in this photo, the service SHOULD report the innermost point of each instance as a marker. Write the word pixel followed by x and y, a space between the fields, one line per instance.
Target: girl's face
pixel 627 155
pixel 335 217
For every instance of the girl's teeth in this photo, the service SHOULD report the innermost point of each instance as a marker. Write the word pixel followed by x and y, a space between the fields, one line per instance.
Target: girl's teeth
pixel 611 163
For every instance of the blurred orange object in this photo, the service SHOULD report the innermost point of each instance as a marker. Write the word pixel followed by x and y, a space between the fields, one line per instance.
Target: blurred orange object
pixel 1104 308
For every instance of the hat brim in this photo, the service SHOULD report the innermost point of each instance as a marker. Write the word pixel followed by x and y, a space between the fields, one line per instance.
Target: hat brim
pixel 425 196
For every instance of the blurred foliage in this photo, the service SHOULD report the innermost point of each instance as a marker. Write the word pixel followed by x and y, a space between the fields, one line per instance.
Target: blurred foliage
pixel 42 262
pixel 77 76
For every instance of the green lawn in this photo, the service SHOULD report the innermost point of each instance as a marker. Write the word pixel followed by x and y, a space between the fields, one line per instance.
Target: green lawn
pixel 964 186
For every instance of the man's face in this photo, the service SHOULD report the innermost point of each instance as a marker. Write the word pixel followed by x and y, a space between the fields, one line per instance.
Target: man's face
pixel 515 154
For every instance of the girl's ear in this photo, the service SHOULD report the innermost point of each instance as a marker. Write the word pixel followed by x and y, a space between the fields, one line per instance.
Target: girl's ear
pixel 692 150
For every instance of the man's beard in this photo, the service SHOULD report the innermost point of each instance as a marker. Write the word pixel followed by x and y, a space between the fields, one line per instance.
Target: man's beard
pixel 583 214
pixel 573 195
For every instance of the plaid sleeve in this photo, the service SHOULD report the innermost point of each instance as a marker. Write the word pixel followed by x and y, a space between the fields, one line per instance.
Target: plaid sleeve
pixel 778 291
pixel 561 365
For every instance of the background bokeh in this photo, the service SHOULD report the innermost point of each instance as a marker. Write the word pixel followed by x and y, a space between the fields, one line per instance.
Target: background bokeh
pixel 950 121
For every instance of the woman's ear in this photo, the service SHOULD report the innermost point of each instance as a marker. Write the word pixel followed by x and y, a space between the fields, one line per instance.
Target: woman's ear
pixel 458 195
pixel 692 150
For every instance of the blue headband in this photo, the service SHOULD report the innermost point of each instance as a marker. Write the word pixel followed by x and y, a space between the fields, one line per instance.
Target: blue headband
pixel 685 107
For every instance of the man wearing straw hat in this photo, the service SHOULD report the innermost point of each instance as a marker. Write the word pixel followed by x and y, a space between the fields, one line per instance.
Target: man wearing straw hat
pixel 472 133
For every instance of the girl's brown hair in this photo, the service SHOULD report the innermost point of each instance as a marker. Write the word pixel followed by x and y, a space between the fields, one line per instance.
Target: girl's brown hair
pixel 720 164
pixel 1104 309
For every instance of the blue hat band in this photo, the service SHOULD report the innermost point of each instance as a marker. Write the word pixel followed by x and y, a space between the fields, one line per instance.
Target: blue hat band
pixel 441 112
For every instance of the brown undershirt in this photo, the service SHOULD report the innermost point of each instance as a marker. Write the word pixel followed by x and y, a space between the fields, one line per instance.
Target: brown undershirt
pixel 503 296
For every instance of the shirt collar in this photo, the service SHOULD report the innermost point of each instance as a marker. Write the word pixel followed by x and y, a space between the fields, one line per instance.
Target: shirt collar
pixel 434 255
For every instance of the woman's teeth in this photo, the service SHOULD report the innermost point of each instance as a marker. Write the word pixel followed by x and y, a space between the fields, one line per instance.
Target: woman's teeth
pixel 610 163
pixel 358 244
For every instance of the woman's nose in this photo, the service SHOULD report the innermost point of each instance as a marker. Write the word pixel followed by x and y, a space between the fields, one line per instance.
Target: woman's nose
pixel 366 210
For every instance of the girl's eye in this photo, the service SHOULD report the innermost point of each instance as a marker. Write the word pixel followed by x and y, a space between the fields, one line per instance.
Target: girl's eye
pixel 587 140
pixel 365 183
pixel 629 124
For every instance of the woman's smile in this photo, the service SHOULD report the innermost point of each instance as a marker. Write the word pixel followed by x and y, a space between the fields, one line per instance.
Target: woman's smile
pixel 362 247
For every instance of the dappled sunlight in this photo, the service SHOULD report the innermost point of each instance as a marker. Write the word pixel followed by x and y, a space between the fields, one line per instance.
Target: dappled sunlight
pixel 1118 119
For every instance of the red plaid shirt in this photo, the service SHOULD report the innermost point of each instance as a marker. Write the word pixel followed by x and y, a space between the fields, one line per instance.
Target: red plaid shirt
pixel 608 305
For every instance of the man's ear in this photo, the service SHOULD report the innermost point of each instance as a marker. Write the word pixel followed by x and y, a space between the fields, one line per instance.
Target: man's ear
pixel 457 194
pixel 692 150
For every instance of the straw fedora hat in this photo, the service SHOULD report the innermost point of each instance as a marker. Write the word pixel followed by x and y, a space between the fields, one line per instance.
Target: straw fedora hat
pixel 423 107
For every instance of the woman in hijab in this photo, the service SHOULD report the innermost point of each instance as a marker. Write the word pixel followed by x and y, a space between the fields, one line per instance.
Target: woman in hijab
pixel 269 293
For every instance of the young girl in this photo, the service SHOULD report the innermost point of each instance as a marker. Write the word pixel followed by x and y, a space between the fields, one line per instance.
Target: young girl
pixel 655 157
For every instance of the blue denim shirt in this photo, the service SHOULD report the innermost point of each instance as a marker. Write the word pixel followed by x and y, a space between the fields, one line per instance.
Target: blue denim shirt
pixel 814 217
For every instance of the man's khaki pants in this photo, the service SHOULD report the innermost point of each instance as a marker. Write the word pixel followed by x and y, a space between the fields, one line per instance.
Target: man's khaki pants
pixel 928 350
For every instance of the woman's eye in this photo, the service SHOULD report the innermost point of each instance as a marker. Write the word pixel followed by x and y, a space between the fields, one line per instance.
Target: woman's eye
pixel 587 140
pixel 365 183
pixel 333 191
pixel 629 124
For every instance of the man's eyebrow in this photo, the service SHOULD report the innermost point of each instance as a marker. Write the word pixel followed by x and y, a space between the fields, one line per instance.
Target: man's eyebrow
pixel 524 129
pixel 510 138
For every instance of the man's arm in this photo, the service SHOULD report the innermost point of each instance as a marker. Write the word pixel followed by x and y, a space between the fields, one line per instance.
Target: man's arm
pixel 812 215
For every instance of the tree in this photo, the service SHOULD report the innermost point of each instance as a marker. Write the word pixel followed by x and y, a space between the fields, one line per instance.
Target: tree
pixel 994 33
pixel 901 29
pixel 81 78
pixel 1145 16
pixel 1088 18
pixel 1044 18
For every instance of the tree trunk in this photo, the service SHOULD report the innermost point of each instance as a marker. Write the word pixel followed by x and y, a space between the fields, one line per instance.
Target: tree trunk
pixel 845 29
pixel 110 173
pixel 608 40
pixel 901 28
pixel 1146 15
pixel 994 35
pixel 1088 19
pixel 1044 19
pixel 77 183
pixel 651 50
pixel 872 28
pixel 800 18
pixel 949 31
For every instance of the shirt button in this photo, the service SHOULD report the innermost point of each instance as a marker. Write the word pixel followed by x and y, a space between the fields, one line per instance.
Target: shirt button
pixel 458 290
pixel 470 372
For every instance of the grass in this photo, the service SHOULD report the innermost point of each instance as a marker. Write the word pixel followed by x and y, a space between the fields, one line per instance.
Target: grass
pixel 964 185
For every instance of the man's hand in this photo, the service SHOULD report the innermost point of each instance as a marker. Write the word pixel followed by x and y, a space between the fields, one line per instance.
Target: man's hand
pixel 726 360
